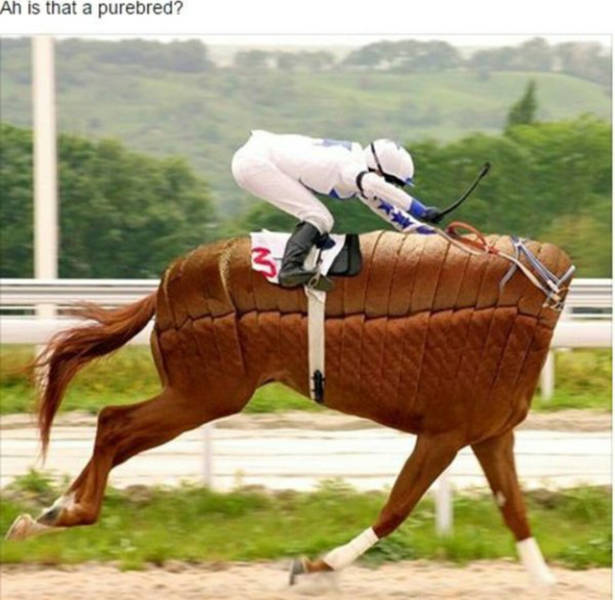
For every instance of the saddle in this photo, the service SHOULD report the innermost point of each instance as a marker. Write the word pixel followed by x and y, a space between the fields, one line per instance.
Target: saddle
pixel 336 255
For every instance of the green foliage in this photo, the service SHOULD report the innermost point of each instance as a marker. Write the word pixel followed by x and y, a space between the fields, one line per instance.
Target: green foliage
pixel 34 481
pixel 550 181
pixel 276 397
pixel 251 59
pixel 587 61
pixel 405 56
pixel 584 379
pixel 205 116
pixel 15 202
pixel 582 59
pixel 523 112
pixel 304 60
pixel 189 56
pixel 284 61
pixel 151 525
pixel 126 215
pixel 122 214
pixel 585 371
pixel 584 237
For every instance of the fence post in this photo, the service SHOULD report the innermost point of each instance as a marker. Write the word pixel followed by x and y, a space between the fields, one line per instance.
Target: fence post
pixel 547 377
pixel 208 474
pixel 444 505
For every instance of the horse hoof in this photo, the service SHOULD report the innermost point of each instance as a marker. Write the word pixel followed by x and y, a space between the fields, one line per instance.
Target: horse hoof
pixel 545 581
pixel 298 567
pixel 21 528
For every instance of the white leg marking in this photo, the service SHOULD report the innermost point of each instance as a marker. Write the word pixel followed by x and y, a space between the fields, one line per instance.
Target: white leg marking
pixel 63 502
pixel 342 556
pixel 532 560
pixel 25 526
pixel 500 499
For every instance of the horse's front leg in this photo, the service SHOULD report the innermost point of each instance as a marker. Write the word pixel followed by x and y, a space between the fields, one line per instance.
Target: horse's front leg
pixel 498 461
pixel 431 455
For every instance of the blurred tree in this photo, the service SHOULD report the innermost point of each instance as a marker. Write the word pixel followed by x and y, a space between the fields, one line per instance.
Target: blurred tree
pixel 377 55
pixel 406 56
pixel 540 172
pixel 316 60
pixel 122 214
pixel 426 56
pixel 535 55
pixel 496 59
pixel 584 236
pixel 252 59
pixel 125 214
pixel 570 164
pixel 523 112
pixel 304 60
pixel 190 56
pixel 15 202
pixel 588 61
pixel 287 61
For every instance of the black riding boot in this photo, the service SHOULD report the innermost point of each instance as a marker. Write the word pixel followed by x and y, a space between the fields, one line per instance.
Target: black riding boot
pixel 297 248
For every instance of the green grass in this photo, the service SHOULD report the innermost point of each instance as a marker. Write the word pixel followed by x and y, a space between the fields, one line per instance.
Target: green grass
pixel 583 381
pixel 151 525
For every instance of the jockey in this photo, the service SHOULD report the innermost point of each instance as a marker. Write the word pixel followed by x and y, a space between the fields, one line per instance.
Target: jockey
pixel 288 170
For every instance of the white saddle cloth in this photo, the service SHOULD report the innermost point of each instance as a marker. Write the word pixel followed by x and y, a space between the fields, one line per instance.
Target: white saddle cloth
pixel 268 250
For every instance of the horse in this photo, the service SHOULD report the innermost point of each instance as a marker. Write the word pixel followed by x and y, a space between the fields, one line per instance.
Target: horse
pixel 426 339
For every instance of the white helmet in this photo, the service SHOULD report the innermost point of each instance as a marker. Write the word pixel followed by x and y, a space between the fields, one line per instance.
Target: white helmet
pixel 391 159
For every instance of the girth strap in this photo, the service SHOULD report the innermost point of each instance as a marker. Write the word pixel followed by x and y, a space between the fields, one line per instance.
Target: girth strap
pixel 316 332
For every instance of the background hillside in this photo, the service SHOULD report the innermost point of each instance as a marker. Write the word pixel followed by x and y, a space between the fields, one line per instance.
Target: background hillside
pixel 173 99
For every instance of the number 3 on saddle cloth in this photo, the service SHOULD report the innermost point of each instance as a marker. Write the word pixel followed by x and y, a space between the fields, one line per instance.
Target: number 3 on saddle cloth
pixel 339 255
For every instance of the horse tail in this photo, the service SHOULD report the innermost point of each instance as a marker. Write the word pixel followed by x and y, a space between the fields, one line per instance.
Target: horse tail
pixel 68 351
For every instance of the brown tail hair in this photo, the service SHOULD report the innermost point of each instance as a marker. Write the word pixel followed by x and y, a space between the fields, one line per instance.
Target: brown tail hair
pixel 70 350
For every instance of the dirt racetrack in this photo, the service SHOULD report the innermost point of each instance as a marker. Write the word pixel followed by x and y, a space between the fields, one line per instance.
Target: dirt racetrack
pixel 481 580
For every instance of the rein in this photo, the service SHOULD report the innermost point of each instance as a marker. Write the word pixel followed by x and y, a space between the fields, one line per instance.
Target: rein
pixel 480 243
pixel 550 285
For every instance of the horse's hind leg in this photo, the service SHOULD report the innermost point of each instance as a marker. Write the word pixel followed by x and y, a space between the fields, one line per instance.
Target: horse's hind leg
pixel 431 455
pixel 122 432
pixel 497 459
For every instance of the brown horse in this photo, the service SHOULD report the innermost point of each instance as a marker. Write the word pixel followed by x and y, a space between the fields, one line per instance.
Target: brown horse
pixel 423 340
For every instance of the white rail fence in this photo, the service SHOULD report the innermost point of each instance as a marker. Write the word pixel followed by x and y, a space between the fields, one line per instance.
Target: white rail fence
pixel 586 322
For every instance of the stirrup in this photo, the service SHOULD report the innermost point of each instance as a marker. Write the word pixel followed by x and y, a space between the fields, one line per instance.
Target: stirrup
pixel 320 282
pixel 300 278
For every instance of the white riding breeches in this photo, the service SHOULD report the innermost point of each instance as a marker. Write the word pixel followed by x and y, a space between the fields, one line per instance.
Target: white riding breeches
pixel 256 172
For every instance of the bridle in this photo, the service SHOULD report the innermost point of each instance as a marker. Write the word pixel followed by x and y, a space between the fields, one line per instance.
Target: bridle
pixel 550 285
